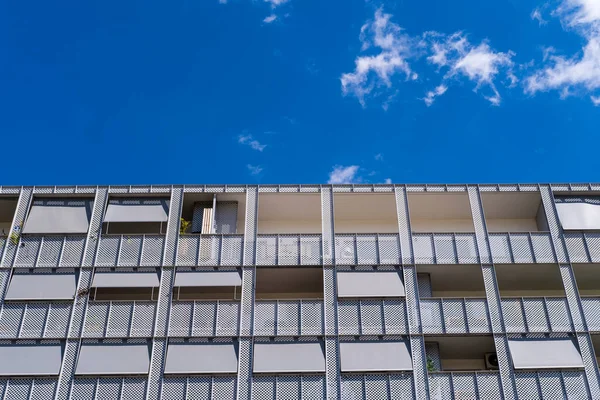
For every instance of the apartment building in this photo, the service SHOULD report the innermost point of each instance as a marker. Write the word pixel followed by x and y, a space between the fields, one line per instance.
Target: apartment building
pixel 353 292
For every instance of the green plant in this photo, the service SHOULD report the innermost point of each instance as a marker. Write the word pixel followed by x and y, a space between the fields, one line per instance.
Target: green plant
pixel 184 226
pixel 15 235
pixel 431 366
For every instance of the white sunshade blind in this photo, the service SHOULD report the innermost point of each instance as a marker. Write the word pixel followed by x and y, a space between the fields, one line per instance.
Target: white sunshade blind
pixel 42 287
pixel 137 210
pixel 544 353
pixel 58 216
pixel 30 360
pixel 288 358
pixel 374 356
pixel 208 279
pixel 370 284
pixel 113 359
pixel 199 358
pixel 579 213
pixel 126 280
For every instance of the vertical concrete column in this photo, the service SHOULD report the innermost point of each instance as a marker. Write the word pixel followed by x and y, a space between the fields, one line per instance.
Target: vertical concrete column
pixel 10 249
pixel 163 308
pixel 246 342
pixel 492 294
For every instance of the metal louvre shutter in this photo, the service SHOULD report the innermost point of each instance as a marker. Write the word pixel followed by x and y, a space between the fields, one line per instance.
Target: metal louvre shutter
pixel 58 216
pixel 137 210
pixel 370 284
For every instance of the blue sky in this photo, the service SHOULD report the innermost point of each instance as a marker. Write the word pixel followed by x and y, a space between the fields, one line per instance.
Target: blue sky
pixel 299 91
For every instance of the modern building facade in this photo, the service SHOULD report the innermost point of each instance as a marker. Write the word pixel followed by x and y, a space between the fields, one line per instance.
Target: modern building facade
pixel 349 292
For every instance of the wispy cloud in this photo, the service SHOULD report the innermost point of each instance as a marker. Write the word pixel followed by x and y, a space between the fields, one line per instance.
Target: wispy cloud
pixel 432 94
pixel 248 140
pixel 276 3
pixel 270 19
pixel 222 1
pixel 388 181
pixel 254 169
pixel 341 174
pixel 478 63
pixel 393 48
pixel 537 15
pixel 379 157
pixel 579 73
pixel 595 100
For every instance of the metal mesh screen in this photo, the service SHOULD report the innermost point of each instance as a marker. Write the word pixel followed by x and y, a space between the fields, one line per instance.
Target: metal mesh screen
pixel 372 317
pixel 34 320
pixel 204 318
pixel 288 317
pixel 10 249
pixel 281 387
pixel 119 319
pixel 50 251
pixel 250 226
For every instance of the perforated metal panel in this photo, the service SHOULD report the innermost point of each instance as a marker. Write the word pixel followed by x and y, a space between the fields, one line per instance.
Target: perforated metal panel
pixel 328 246
pixel 244 378
pixel 506 372
pixel 119 319
pixel 586 349
pixel 288 249
pixel 332 368
pixel 247 303
pixel 372 317
pixel 367 249
pixel 130 250
pixel 404 231
pixel 250 226
pixel 25 389
pixel 299 387
pixel 377 386
pixel 479 223
pixel 204 318
pixel 455 316
pixel 210 250
pixel 551 385
pixel 108 388
pixel 536 314
pixel 34 320
pixel 445 248
pixel 522 248
pixel 553 224
pixel 91 244
pixel 157 363
pixel 199 388
pixel 50 251
pixel 288 318
pixel 11 247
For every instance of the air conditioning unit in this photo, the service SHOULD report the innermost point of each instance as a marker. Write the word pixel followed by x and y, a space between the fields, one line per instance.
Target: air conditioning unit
pixel 491 360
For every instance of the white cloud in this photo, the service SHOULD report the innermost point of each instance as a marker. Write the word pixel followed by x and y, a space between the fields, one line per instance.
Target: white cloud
pixel 595 100
pixel 379 157
pixel 537 15
pixel 276 3
pixel 388 181
pixel 392 50
pixel 222 1
pixel 270 19
pixel 341 174
pixel 254 169
pixel 250 141
pixel 580 72
pixel 432 94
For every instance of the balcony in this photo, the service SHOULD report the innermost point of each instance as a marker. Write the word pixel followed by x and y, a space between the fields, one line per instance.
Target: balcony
pixel 34 320
pixel 288 387
pixel 288 249
pixel 372 317
pixel 198 387
pixel 131 388
pixel 445 248
pixel 588 284
pixel 521 248
pixel 583 247
pixel 27 388
pixel 452 299
pixel 367 249
pixel 288 318
pixel 130 250
pixel 377 386
pixel 289 284
pixel 551 385
pixel 459 353
pixel 204 318
pixel 50 251
pixel 465 385
pixel 440 213
pixel 210 250
pixel 365 213
pixel 287 213
pixel 514 212
pixel 122 319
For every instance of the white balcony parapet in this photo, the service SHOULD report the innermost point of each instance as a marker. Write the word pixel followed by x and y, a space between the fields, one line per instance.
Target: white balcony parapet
pixel 522 248
pixel 213 250
pixel 288 317
pixel 204 318
pixel 455 315
pixel 367 249
pixel 284 249
pixel 130 250
pixel 465 385
pixel 34 320
pixel 120 319
pixel 445 248
pixel 372 317
pixel 50 251
pixel 536 314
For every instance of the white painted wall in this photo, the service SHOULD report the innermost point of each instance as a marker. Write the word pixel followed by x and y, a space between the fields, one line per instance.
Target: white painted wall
pixel 463 364
pixel 442 225
pixel 478 294
pixel 532 293
pixel 512 225
pixel 366 226
pixel 290 226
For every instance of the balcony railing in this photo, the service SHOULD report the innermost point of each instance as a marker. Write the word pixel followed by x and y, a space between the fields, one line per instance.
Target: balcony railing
pixel 131 388
pixel 372 317
pixel 50 251
pixel 449 315
pixel 377 386
pixel 536 314
pixel 204 318
pixel 119 319
pixel 130 250
pixel 198 387
pixel 465 385
pixel 288 250
pixel 591 310
pixel 583 247
pixel 27 388
pixel 288 317
pixel 34 320
pixel 445 248
pixel 521 248
pixel 210 250
pixel 551 385
pixel 367 249
pixel 287 387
